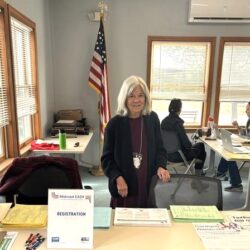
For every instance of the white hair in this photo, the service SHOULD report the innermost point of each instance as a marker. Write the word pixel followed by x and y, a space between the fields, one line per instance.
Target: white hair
pixel 128 86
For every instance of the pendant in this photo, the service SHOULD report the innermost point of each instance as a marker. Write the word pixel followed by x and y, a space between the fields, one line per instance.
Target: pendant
pixel 137 158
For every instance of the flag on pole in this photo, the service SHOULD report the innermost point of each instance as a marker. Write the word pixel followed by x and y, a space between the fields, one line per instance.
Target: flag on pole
pixel 98 77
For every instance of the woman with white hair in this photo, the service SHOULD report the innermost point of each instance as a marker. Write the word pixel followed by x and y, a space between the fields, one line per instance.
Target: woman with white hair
pixel 133 150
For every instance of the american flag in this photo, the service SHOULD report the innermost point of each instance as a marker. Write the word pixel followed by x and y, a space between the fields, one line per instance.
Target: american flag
pixel 98 77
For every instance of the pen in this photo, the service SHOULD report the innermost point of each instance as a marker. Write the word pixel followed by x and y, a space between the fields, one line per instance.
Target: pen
pixel 27 241
pixel 32 239
pixel 37 243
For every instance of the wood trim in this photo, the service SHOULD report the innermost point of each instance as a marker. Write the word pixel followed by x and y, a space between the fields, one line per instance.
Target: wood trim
pixel 5 165
pixel 149 52
pixel 37 116
pixel 207 105
pixel 11 129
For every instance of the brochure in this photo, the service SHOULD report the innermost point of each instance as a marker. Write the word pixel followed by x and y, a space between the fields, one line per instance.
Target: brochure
pixel 142 217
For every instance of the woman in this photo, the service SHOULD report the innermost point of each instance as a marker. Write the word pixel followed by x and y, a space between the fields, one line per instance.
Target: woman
pixel 175 123
pixel 133 150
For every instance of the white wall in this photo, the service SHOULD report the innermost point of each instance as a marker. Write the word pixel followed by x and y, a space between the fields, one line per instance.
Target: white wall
pixel 66 52
pixel 38 11
pixel 128 25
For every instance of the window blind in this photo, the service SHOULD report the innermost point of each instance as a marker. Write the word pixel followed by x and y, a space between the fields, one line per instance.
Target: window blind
pixel 179 69
pixel 24 86
pixel 235 76
pixel 4 115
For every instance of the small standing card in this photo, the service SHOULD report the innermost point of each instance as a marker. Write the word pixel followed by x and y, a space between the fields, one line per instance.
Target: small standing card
pixel 70 218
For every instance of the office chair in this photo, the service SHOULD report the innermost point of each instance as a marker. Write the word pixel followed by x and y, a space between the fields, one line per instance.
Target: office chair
pixel 28 179
pixel 185 189
pixel 172 145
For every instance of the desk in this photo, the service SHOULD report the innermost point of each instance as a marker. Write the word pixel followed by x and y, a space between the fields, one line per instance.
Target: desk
pixel 216 147
pixel 70 149
pixel 180 236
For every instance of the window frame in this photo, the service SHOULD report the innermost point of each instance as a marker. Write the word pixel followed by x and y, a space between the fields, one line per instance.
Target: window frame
pixel 35 118
pixel 222 42
pixel 10 131
pixel 212 40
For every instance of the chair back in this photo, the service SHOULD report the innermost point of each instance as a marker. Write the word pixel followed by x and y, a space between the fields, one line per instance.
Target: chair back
pixel 34 190
pixel 185 189
pixel 29 178
pixel 170 141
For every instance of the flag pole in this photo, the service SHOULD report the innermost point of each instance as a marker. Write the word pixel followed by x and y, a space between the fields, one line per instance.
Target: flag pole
pixel 103 104
pixel 97 170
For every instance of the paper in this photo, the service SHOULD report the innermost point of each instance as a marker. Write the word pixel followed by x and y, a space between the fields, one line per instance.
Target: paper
pixel 70 218
pixel 8 240
pixel 223 236
pixel 239 217
pixel 102 217
pixel 26 216
pixel 4 208
pixel 142 217
pixel 196 213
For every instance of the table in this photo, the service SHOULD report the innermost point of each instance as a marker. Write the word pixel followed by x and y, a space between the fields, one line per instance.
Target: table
pixel 216 147
pixel 179 236
pixel 70 149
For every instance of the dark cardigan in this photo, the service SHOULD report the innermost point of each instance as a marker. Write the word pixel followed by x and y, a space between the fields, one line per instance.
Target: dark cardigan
pixel 117 152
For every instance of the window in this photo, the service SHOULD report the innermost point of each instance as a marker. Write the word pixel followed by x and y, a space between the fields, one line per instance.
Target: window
pixel 25 76
pixel 233 80
pixel 180 68
pixel 19 94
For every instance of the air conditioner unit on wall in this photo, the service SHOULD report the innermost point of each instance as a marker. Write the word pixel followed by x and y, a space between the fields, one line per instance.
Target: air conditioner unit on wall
pixel 219 11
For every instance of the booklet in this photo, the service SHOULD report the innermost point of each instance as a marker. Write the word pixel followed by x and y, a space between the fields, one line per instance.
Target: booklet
pixel 142 217
pixel 196 213
pixel 102 217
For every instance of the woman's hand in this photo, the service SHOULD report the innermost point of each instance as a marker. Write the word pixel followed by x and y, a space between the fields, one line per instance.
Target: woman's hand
pixel 122 186
pixel 163 174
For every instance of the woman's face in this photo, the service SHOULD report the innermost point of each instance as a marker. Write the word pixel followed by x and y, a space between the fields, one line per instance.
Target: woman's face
pixel 135 102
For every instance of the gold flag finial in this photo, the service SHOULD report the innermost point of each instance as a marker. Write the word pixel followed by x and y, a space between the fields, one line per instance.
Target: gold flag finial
pixel 103 8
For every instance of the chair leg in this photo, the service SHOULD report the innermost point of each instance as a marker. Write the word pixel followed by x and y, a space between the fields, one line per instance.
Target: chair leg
pixel 190 166
pixel 241 165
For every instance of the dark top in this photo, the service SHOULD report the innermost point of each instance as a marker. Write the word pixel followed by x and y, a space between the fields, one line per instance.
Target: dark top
pixel 175 123
pixel 117 157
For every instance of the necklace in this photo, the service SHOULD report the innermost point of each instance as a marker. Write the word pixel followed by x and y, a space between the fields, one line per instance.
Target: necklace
pixel 137 157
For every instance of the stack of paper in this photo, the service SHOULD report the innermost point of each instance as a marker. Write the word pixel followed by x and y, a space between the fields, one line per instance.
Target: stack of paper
pixel 196 213
pixel 102 217
pixel 142 217
pixel 26 216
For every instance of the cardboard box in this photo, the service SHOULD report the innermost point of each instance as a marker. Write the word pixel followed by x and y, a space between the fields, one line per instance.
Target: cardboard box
pixel 70 114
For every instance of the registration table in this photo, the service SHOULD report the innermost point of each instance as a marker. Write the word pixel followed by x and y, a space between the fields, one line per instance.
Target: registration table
pixel 216 147
pixel 179 236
